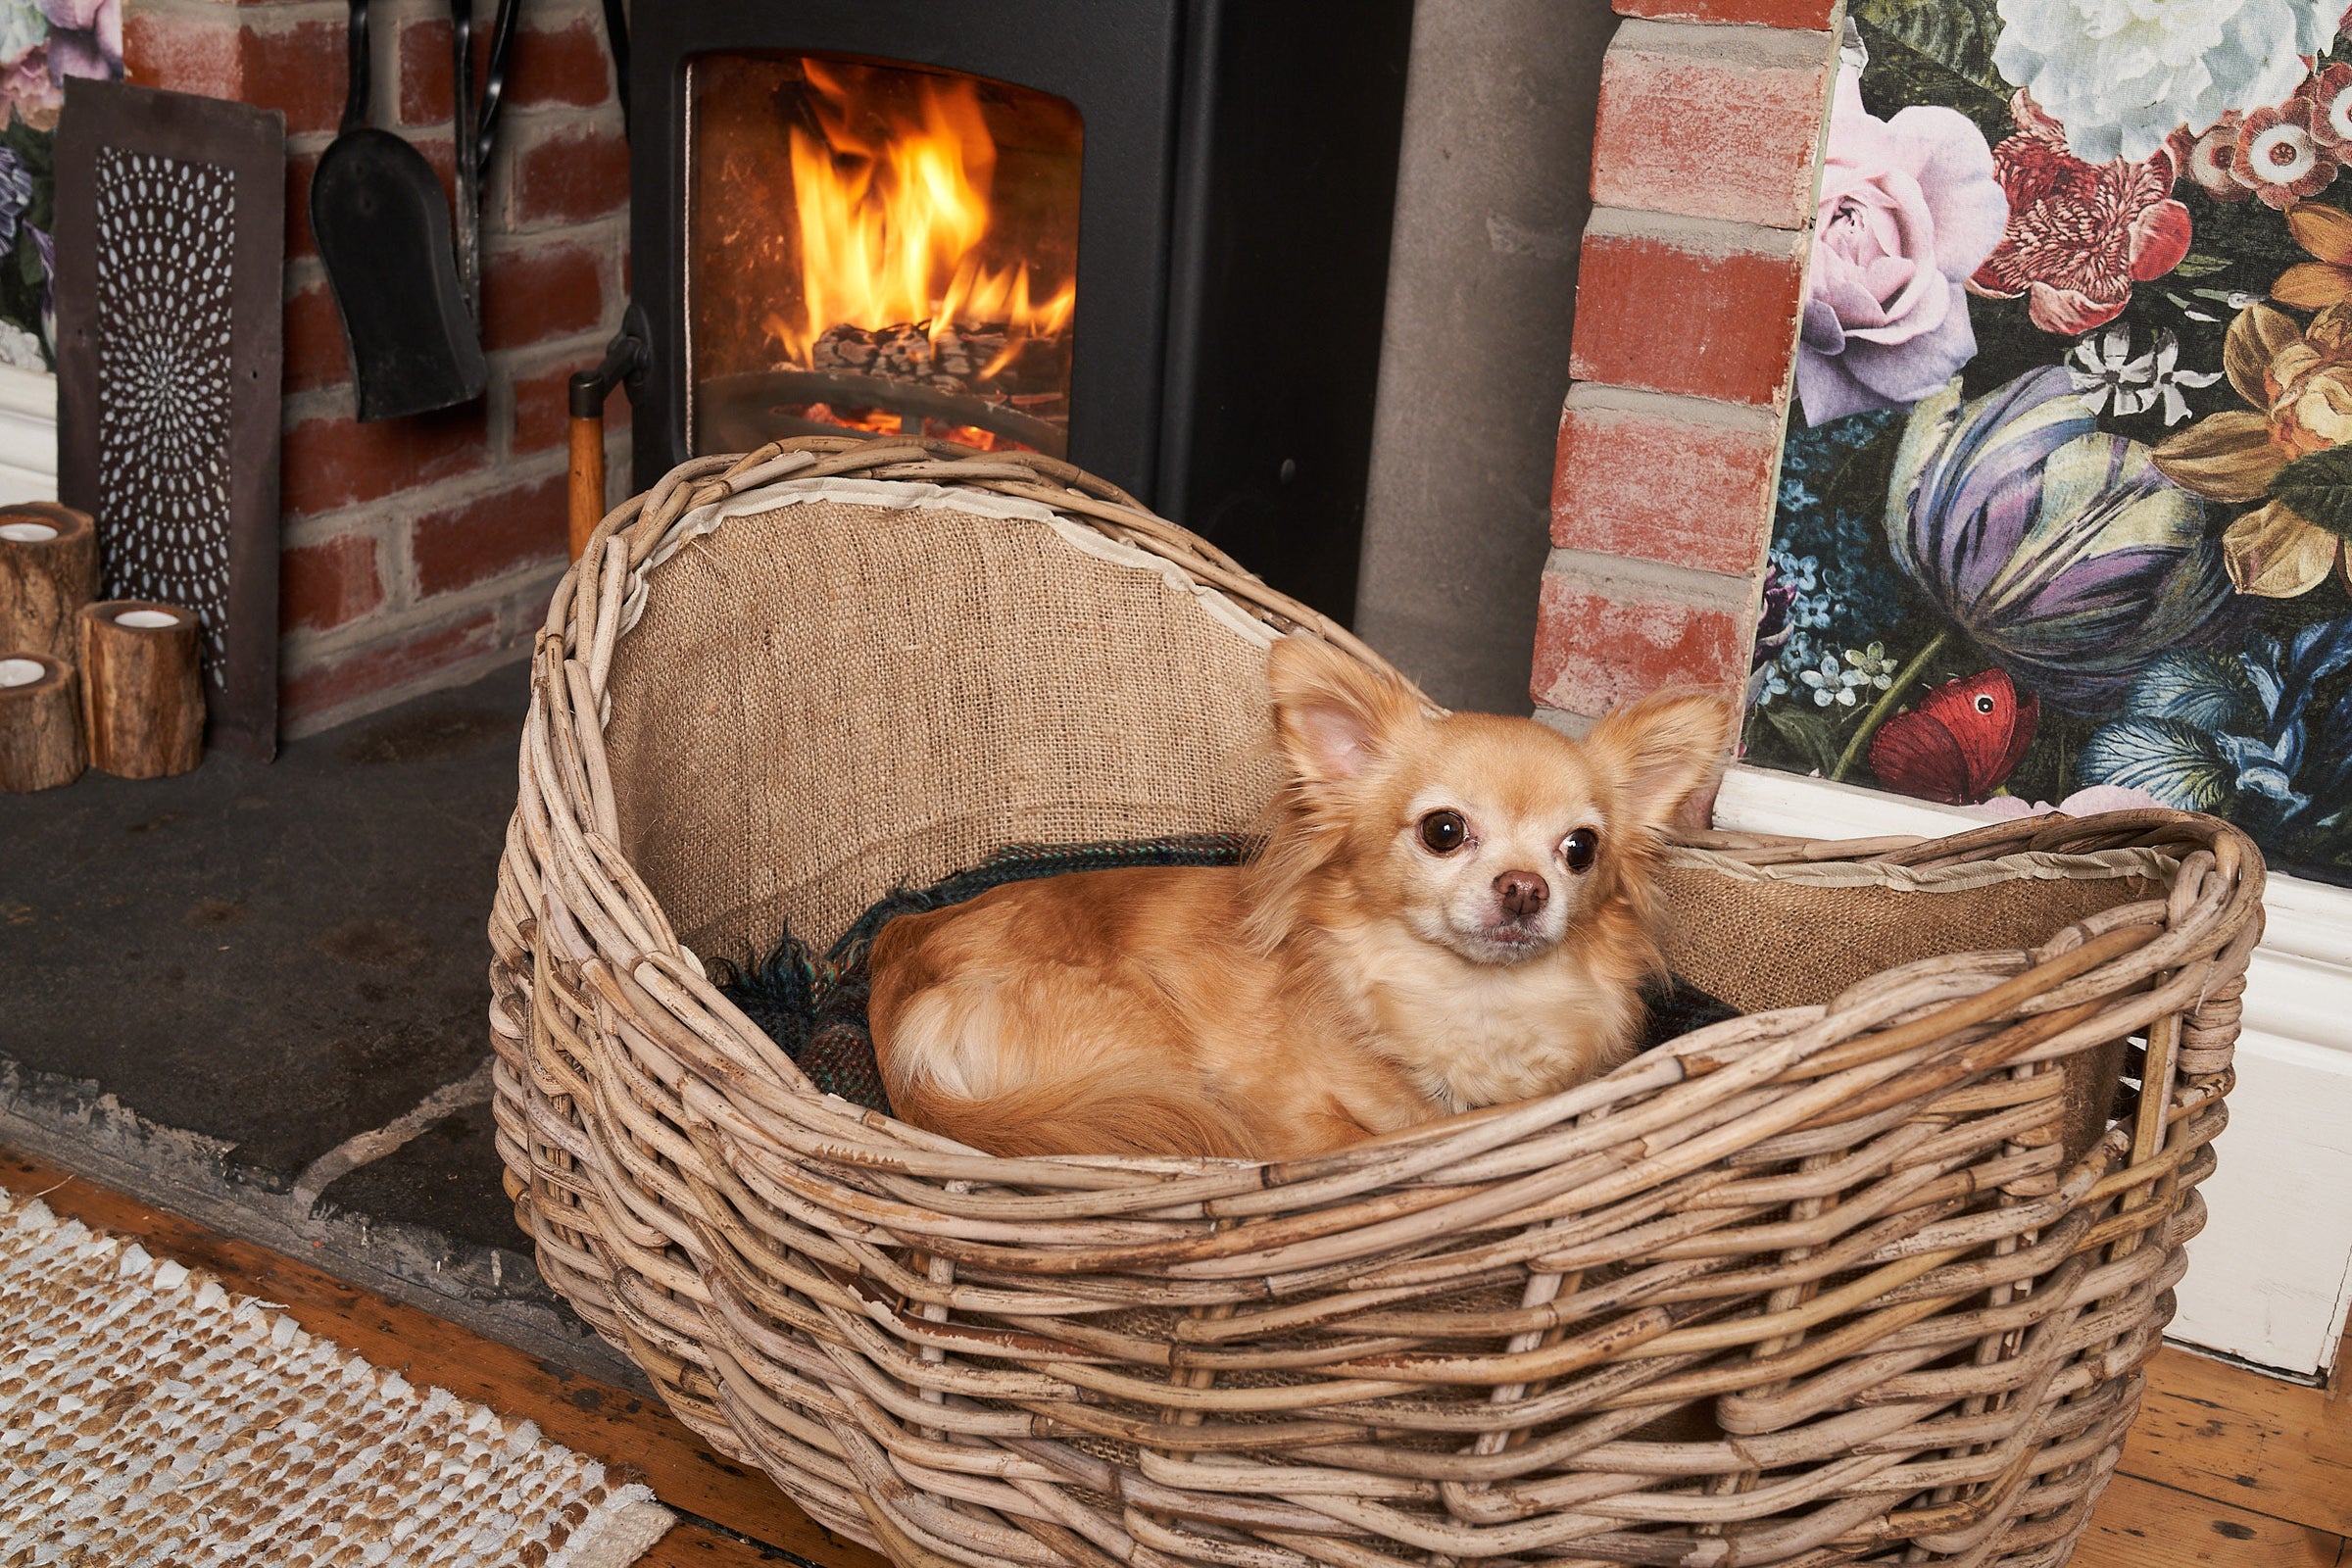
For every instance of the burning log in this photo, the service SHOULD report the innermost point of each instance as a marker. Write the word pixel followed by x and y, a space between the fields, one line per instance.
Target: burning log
pixel 951 360
pixel 956 358
pixel 737 413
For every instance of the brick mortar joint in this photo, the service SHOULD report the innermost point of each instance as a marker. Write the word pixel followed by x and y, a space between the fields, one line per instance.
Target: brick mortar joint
pixel 530 230
pixel 397 512
pixel 247 20
pixel 234 15
pixel 1630 579
pixel 600 119
pixel 578 233
pixel 389 624
pixel 413 506
pixel 528 126
pixel 452 604
pixel 1754 44
pixel 1680 407
pixel 1719 236
pixel 1569 722
pixel 304 533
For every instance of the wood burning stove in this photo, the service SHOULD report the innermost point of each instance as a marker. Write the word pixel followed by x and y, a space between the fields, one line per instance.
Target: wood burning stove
pixel 1149 235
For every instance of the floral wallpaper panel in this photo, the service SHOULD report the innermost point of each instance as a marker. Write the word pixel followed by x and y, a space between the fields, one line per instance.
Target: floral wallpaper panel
pixel 42 42
pixel 2067 484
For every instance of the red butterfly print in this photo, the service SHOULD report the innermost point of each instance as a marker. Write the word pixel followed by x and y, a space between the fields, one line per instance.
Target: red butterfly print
pixel 1961 743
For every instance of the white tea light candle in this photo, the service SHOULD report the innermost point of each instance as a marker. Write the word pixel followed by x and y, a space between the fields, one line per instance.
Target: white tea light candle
pixel 27 533
pixel 19 671
pixel 146 620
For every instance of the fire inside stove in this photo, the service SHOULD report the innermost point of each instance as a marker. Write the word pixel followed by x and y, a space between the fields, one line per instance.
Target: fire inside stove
pixel 881 249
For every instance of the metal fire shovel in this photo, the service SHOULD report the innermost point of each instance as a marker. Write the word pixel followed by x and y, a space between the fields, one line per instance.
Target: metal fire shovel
pixel 384 233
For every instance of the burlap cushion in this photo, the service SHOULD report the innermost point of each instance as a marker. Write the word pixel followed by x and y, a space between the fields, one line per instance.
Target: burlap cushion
pixel 827 700
pixel 1786 936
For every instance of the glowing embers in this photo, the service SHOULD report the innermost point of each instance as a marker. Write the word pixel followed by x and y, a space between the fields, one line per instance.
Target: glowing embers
pixel 881 249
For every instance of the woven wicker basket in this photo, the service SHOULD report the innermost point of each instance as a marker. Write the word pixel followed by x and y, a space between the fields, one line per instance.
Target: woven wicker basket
pixel 1868 1273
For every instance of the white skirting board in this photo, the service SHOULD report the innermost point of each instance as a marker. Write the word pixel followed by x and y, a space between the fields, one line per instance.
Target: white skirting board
pixel 28 435
pixel 2271 1277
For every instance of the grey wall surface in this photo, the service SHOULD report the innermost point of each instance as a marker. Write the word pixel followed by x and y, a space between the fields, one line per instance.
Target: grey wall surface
pixel 1490 202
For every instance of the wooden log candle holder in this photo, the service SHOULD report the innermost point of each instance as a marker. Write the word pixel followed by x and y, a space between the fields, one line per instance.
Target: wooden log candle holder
pixel 142 695
pixel 48 570
pixel 40 723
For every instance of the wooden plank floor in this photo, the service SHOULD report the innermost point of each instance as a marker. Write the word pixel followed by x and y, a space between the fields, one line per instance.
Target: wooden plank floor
pixel 2226 1467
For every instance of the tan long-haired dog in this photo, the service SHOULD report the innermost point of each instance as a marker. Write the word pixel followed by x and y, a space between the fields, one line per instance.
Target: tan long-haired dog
pixel 1447 912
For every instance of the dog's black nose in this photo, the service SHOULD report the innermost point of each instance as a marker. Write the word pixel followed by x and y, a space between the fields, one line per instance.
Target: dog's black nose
pixel 1522 893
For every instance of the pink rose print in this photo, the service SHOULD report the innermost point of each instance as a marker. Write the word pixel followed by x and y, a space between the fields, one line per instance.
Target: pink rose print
pixel 85 38
pixel 1909 207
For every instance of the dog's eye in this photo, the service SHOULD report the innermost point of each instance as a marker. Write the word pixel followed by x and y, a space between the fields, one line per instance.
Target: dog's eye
pixel 1444 831
pixel 1579 848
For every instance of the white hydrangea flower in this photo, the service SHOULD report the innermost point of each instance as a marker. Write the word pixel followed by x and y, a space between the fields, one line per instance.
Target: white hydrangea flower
pixel 20 347
pixel 21 25
pixel 2121 75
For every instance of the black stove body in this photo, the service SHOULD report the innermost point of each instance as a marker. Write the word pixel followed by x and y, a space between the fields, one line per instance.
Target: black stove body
pixel 1235 195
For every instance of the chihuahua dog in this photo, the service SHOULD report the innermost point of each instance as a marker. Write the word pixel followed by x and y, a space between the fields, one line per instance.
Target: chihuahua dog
pixel 1445 912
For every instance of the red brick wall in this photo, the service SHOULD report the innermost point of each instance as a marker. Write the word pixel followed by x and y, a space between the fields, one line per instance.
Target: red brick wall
pixel 421 551
pixel 1705 158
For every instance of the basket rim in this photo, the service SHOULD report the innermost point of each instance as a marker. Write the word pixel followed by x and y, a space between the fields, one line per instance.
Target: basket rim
pixel 607 922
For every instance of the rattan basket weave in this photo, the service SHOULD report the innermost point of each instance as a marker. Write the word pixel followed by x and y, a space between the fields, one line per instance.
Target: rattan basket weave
pixel 1868 1273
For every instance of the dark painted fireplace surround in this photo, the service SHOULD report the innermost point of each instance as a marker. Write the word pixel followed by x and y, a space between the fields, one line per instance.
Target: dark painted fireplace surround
pixel 1236 187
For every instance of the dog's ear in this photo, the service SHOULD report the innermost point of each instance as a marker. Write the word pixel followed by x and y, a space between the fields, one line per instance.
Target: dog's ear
pixel 1332 715
pixel 1663 751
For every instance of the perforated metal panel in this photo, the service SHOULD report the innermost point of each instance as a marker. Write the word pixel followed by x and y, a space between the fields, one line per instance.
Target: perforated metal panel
pixel 171 231
pixel 164 229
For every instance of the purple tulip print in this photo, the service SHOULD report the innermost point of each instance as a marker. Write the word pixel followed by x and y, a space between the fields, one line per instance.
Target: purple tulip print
pixel 2056 546
pixel 15 195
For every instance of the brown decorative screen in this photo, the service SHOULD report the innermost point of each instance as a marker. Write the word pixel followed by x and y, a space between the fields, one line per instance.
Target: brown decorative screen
pixel 169 356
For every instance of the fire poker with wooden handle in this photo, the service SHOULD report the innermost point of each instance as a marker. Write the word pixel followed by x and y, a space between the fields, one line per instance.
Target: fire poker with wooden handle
pixel 624 364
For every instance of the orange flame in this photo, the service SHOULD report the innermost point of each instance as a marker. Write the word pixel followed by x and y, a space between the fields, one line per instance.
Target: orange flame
pixel 889 225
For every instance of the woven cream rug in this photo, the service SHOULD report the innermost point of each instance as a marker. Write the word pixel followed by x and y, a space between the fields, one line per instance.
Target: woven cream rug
pixel 148 1417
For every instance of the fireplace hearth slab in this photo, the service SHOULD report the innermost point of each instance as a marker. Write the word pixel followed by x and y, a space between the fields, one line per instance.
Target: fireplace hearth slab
pixel 259 995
